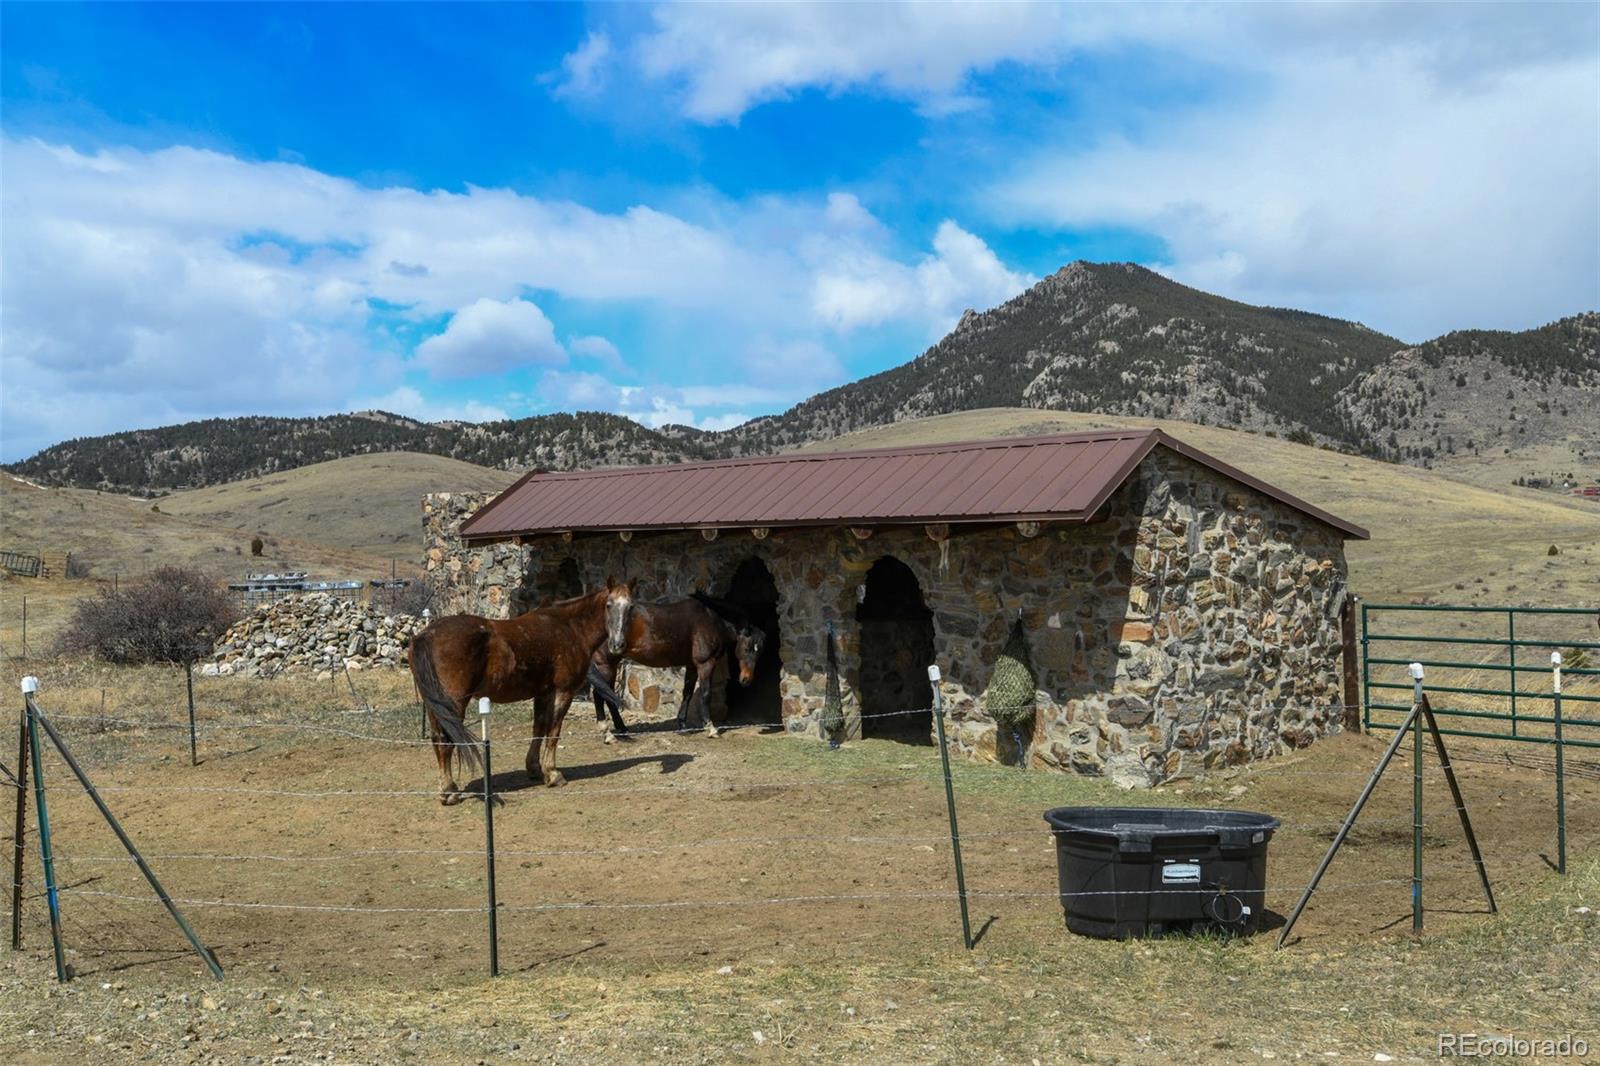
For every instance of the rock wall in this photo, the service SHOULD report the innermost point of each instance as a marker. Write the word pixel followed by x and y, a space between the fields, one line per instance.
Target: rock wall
pixel 1195 624
pixel 313 632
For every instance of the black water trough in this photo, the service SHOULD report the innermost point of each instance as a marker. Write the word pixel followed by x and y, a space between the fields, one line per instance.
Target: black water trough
pixel 1145 871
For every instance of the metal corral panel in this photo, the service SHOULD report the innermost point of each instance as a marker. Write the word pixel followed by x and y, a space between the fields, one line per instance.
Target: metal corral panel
pixel 1056 478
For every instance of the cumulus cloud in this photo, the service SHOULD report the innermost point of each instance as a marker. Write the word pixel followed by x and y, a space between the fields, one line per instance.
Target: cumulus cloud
pixel 1363 187
pixel 727 59
pixel 491 337
pixel 599 349
pixel 861 287
pixel 409 401
pixel 583 70
pixel 131 276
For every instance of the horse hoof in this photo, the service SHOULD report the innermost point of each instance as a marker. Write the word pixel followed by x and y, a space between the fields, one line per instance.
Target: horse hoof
pixel 554 779
pixel 450 799
pixel 609 738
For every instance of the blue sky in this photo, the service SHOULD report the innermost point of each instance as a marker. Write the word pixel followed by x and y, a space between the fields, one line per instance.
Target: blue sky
pixel 702 213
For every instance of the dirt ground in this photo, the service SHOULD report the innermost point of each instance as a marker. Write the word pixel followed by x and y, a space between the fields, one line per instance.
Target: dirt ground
pixel 679 890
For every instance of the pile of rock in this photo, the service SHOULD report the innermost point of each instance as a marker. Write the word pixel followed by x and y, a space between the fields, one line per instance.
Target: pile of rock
pixel 314 632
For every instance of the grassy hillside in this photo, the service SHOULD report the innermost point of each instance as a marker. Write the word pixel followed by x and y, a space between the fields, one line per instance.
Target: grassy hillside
pixel 1433 536
pixel 368 503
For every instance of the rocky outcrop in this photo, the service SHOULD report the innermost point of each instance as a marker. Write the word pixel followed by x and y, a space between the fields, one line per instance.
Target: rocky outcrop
pixel 314 632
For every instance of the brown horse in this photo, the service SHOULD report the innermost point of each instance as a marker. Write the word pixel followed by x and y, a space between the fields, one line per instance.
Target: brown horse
pixel 689 632
pixel 542 655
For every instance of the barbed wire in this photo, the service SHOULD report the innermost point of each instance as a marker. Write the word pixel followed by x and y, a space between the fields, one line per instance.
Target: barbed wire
pixel 685 904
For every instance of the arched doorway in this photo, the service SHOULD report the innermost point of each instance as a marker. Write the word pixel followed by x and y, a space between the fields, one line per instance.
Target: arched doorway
pixel 896 630
pixel 551 583
pixel 753 591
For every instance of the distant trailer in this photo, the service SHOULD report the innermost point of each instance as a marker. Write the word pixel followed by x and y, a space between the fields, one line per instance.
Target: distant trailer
pixel 268 588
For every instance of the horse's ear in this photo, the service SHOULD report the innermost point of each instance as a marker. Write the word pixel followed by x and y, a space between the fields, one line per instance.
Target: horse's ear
pixel 611 581
pixel 633 587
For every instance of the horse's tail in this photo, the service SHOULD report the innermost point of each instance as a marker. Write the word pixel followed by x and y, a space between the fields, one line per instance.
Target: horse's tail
pixel 604 690
pixel 439 705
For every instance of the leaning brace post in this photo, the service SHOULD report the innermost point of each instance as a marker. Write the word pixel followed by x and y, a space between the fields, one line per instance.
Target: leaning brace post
pixel 950 806
pixel 116 827
pixel 1561 772
pixel 30 685
pixel 1349 822
pixel 20 827
pixel 488 838
pixel 188 680
pixel 1460 802
pixel 1416 798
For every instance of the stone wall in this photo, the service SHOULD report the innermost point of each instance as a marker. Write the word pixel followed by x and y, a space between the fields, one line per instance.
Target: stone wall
pixel 1195 624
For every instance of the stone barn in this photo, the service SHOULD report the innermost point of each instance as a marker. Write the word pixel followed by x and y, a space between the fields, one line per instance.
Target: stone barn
pixel 1158 611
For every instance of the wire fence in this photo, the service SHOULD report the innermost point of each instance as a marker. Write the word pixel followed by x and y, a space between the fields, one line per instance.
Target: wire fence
pixel 587 837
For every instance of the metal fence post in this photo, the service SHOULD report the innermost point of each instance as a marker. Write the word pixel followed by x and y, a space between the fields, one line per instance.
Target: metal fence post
pixel 188 681
pixel 950 806
pixel 30 685
pixel 1416 802
pixel 1561 771
pixel 41 722
pixel 484 708
pixel 1366 675
pixel 18 850
pixel 1511 641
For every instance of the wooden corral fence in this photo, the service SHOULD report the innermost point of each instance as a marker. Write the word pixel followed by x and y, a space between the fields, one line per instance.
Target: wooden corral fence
pixel 36 564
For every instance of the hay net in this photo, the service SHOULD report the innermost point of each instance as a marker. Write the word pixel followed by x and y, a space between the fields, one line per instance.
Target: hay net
pixel 1011 697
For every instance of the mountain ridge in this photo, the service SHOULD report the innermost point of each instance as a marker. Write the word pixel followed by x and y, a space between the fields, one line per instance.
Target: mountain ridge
pixel 1115 339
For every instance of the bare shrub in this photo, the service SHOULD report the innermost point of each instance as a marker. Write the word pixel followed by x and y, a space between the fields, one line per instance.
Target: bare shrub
pixel 171 616
pixel 256 546
pixel 416 597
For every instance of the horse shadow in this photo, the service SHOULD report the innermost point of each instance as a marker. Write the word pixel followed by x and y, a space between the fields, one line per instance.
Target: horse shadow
pixel 503 781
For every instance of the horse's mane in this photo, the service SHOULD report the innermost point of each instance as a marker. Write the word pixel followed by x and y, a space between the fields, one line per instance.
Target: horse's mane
pixel 571 603
pixel 731 613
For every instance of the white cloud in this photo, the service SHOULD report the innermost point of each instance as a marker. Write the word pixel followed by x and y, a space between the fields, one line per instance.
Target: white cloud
pixel 705 407
pixel 730 58
pixel 131 276
pixel 410 402
pixel 597 348
pixel 727 59
pixel 1361 187
pixel 583 70
pixel 862 288
pixel 491 337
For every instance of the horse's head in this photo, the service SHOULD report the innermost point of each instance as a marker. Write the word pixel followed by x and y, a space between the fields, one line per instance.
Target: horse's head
pixel 747 644
pixel 619 608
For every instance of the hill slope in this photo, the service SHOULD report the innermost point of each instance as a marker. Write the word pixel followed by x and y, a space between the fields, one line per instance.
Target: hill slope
pixel 367 503
pixel 220 450
pixel 1114 338
pixel 1432 536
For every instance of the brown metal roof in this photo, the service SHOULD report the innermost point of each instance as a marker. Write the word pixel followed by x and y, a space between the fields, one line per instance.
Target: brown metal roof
pixel 1063 478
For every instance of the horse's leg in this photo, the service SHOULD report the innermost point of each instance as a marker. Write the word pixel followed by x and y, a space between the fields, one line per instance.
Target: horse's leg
pixel 541 729
pixel 607 669
pixel 688 697
pixel 547 754
pixel 449 794
pixel 703 693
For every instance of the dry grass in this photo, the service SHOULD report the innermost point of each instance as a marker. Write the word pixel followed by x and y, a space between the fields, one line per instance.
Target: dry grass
pixel 873 982
pixel 368 503
pixel 1433 537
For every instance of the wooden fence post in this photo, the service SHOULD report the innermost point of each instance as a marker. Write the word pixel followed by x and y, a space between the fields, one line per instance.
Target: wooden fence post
pixel 1352 663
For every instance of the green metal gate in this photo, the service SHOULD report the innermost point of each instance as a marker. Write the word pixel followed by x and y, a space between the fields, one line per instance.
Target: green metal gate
pixel 1469 705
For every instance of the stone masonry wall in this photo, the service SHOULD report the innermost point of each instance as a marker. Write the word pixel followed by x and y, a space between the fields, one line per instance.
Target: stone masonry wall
pixel 1196 624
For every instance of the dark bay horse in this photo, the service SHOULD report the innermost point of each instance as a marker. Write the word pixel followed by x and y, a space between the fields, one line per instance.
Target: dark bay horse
pixel 692 632
pixel 542 655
